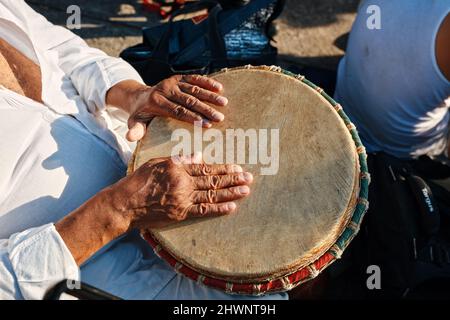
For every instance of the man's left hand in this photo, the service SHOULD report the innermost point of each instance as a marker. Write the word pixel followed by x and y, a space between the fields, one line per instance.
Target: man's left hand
pixel 187 98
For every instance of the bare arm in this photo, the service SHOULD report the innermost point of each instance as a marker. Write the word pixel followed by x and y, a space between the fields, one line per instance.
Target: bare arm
pixel 91 226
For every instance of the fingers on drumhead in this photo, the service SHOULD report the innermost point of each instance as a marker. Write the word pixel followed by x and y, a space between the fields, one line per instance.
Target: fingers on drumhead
pixel 195 166
pixel 203 94
pixel 219 196
pixel 222 181
pixel 204 82
pixel 195 104
pixel 177 111
pixel 203 169
pixel 211 209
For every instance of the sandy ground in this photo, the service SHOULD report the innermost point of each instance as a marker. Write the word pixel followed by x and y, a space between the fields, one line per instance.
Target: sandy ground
pixel 310 32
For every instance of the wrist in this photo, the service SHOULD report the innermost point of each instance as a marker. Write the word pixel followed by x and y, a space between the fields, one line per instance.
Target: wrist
pixel 114 212
pixel 127 95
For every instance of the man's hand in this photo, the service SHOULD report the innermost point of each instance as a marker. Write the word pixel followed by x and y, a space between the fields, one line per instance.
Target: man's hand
pixel 184 98
pixel 160 192
pixel 164 191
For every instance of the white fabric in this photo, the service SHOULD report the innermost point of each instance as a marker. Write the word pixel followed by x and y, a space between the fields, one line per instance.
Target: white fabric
pixel 54 156
pixel 389 82
pixel 25 253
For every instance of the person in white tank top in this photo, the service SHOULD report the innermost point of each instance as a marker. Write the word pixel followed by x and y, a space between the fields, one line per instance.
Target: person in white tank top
pixel 394 80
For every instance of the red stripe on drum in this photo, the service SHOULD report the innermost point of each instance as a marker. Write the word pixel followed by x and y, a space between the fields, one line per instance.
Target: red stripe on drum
pixel 216 283
pixel 150 239
pixel 271 286
pixel 276 285
pixel 324 261
pixel 299 276
pixel 155 245
pixel 243 288
pixel 188 272
pixel 166 256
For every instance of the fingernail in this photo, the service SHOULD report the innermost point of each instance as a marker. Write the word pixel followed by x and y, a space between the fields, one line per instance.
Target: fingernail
pixel 236 168
pixel 231 206
pixel 217 85
pixel 248 177
pixel 244 189
pixel 206 123
pixel 218 116
pixel 222 100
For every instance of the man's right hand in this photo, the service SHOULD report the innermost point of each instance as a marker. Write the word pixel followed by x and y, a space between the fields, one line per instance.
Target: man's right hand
pixel 163 191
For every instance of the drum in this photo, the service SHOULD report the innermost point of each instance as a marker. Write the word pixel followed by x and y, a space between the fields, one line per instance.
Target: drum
pixel 307 199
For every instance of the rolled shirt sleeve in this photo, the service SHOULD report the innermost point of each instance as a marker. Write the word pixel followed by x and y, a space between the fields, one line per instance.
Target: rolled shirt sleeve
pixel 92 72
pixel 33 261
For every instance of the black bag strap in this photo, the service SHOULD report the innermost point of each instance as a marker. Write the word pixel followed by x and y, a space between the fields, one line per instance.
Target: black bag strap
pixel 216 41
pixel 84 292
pixel 434 251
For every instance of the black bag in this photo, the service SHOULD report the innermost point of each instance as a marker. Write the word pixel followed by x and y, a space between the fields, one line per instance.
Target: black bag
pixel 406 231
pixel 203 46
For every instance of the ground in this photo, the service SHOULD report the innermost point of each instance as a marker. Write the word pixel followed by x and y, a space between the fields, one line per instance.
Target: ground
pixel 310 32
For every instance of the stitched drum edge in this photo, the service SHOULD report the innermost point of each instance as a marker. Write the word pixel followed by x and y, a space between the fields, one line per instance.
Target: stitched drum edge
pixel 310 271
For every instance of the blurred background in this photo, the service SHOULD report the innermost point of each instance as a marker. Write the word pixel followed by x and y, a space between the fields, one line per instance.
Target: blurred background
pixel 309 32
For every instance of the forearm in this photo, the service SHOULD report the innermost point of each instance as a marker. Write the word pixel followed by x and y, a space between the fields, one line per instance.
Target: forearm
pixel 91 226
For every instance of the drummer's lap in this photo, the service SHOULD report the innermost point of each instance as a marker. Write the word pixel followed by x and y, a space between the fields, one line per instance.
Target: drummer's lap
pixel 129 269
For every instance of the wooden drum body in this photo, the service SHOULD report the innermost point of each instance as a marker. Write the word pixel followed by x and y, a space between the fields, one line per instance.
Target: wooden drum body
pixel 296 221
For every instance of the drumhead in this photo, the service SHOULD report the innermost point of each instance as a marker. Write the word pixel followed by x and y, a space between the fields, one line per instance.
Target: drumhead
pixel 298 211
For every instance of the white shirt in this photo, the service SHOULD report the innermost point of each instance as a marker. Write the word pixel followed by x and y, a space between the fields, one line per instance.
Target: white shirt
pixel 389 82
pixel 56 155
